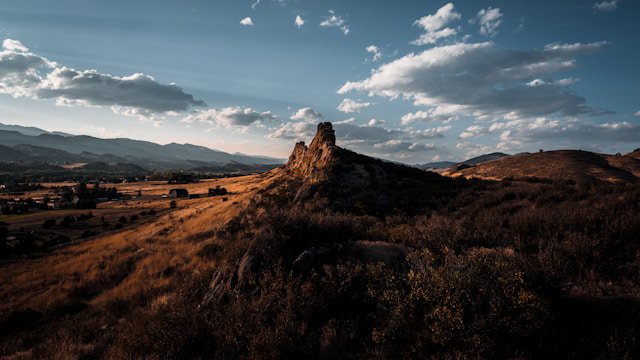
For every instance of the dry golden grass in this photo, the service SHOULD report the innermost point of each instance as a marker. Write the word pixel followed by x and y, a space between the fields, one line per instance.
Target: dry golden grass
pixel 561 164
pixel 141 259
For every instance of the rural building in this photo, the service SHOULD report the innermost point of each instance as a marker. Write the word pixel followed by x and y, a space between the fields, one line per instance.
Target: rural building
pixel 218 191
pixel 178 193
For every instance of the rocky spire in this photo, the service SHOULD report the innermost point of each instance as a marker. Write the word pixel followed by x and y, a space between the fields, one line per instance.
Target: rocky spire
pixel 309 160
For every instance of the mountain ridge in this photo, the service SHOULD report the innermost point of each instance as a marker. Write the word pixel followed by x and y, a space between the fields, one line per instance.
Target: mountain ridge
pixel 129 150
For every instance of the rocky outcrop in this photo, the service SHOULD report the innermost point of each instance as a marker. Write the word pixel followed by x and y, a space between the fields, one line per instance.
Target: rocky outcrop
pixel 310 162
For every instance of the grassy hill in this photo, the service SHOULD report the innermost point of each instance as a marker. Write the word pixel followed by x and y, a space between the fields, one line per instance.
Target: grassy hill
pixel 581 166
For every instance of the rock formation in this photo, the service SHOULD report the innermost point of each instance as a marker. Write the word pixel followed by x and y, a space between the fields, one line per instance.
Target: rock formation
pixel 309 162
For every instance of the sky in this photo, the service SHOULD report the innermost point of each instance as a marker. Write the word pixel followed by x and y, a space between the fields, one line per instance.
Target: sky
pixel 408 81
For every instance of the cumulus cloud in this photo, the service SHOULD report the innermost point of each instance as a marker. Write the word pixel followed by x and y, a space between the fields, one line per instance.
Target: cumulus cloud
pixel 375 122
pixel 246 21
pixel 298 21
pixel 229 117
pixel 481 80
pixel 14 45
pixel 637 113
pixel 377 54
pixel 307 114
pixel 523 134
pixel 20 69
pixel 351 106
pixel 137 91
pixel 24 74
pixel 255 4
pixel 303 125
pixel 606 5
pixel 473 131
pixel 435 113
pixel 435 25
pixel 489 20
pixel 432 133
pixel 334 20
pixel 394 146
pixel 568 132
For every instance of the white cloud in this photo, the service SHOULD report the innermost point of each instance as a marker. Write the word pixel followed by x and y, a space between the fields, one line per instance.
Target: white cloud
pixel 435 113
pixel 229 117
pixel 307 114
pixel 432 133
pixel 394 146
pixel 246 21
pixel 489 20
pixel 137 91
pixel 336 21
pixel 377 54
pixel 376 122
pixel 24 74
pixel 255 4
pixel 606 5
pixel 14 45
pixel 351 106
pixel 637 113
pixel 481 80
pixel 434 25
pixel 345 121
pixel 473 131
pixel 102 132
pixel 298 21
pixel 20 69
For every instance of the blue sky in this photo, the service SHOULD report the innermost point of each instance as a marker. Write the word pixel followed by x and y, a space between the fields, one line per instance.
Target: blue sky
pixel 411 81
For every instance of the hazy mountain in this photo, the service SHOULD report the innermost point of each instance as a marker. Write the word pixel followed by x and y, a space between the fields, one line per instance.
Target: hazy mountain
pixel 30 130
pixel 473 161
pixel 144 153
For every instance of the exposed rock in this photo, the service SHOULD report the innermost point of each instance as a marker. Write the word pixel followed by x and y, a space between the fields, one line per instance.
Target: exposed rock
pixel 309 162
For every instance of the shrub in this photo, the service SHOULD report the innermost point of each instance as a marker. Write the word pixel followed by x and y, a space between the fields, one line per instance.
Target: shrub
pixel 49 223
pixel 88 233
pixel 151 212
pixel 173 204
pixel 123 220
pixel 134 218
pixel 67 221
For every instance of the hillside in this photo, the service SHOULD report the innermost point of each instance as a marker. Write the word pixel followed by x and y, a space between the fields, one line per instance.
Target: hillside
pixel 580 166
pixel 338 255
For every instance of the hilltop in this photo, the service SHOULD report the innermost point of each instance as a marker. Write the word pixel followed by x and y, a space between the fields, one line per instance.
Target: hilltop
pixel 575 165
pixel 328 175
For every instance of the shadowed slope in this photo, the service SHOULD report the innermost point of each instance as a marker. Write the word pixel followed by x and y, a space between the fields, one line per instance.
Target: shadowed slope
pixel 576 165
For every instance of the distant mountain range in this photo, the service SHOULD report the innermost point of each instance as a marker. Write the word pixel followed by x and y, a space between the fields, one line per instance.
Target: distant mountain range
pixel 31 144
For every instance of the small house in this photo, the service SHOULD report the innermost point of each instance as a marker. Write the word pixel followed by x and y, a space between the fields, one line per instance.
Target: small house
pixel 178 193
pixel 218 191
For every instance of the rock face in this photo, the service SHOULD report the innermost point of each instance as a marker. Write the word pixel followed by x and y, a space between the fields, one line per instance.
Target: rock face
pixel 309 162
